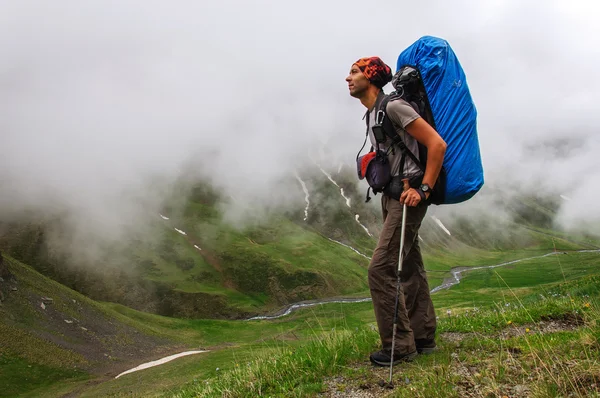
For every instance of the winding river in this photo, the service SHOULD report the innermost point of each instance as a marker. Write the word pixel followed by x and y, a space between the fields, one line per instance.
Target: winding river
pixel 454 279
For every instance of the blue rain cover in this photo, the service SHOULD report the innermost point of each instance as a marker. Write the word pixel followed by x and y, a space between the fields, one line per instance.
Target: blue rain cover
pixel 454 113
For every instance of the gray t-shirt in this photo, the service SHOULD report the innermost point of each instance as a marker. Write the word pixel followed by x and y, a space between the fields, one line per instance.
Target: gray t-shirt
pixel 401 114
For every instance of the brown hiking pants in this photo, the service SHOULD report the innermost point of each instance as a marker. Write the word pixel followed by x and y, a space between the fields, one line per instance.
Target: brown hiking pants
pixel 416 316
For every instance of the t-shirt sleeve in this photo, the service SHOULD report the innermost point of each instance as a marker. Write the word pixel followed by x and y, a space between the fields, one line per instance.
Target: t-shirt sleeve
pixel 401 113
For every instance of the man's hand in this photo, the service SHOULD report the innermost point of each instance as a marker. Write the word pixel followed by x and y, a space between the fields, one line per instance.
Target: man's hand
pixel 411 197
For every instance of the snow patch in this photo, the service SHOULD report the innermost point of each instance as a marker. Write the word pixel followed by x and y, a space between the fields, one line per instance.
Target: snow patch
pixel 345 197
pixel 197 247
pixel 350 247
pixel 163 217
pixel 159 362
pixel 565 198
pixel 306 196
pixel 180 231
pixel 356 217
pixel 439 223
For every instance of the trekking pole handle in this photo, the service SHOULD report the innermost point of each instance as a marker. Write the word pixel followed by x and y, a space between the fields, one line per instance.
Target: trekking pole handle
pixel 406 184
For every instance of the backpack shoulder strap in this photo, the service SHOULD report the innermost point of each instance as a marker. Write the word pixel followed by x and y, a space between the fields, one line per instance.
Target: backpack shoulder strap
pixel 390 131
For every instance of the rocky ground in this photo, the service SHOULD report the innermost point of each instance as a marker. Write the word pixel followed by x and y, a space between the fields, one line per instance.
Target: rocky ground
pixel 469 379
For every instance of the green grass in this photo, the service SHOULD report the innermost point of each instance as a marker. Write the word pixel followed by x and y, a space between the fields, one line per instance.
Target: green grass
pixel 501 350
pixel 300 354
pixel 285 262
pixel 483 287
pixel 19 376
pixel 287 370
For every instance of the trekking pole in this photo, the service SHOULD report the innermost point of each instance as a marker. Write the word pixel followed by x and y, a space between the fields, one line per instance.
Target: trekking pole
pixel 400 259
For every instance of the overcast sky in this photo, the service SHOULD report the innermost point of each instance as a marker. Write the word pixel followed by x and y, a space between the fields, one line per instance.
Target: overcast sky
pixel 98 96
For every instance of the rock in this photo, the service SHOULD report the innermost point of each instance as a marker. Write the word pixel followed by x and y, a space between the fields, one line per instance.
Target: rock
pixel 68 321
pixel 521 390
pixel 14 288
pixel 43 306
pixel 47 300
pixel 1 279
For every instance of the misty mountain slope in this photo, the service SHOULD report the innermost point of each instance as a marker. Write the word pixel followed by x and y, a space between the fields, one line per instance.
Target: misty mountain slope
pixel 50 333
pixel 335 209
pixel 196 258
pixel 194 264
pixel 280 260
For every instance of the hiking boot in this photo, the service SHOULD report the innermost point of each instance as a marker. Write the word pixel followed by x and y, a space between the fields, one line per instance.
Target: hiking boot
pixel 425 346
pixel 383 357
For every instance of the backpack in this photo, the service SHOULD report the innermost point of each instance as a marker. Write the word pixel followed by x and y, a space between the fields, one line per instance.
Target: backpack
pixel 430 78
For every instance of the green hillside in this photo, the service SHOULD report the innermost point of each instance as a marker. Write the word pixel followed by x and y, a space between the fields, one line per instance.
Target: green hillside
pixel 191 276
pixel 191 260
pixel 507 312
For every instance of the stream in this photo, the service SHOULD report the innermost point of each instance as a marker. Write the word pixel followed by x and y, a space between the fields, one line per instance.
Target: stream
pixel 454 279
pixel 448 283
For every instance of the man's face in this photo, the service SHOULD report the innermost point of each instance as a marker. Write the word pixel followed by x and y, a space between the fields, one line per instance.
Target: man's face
pixel 357 82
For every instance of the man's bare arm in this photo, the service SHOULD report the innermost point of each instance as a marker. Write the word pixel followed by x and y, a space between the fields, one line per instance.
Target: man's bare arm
pixel 436 148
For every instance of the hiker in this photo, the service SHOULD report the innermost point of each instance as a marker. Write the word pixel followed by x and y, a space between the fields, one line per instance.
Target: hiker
pixel 416 322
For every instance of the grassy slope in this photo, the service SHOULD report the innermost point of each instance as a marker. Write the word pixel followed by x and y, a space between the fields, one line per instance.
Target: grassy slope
pixel 27 360
pixel 284 259
pixel 56 367
pixel 319 333
pixel 298 255
pixel 254 268
pixel 504 347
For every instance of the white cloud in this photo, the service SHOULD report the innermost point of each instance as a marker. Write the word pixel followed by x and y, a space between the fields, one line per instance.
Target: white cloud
pixel 100 96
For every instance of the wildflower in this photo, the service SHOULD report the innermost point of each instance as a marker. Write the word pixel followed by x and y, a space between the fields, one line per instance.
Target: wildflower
pixel 527 330
pixel 587 305
pixel 509 323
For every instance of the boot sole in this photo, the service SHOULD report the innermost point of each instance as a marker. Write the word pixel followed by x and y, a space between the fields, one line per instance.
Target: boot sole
pixel 405 358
